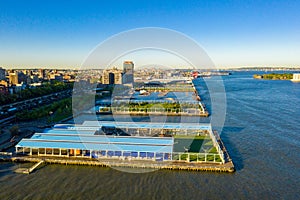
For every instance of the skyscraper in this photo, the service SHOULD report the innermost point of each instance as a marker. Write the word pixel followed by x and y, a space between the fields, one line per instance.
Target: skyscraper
pixel 128 72
pixel 2 74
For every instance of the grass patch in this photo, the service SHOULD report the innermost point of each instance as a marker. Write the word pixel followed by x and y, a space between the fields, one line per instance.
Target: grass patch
pixel 161 107
pixel 192 144
pixel 201 137
pixel 213 150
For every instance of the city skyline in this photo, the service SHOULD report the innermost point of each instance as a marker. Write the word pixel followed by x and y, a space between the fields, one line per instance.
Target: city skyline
pixel 233 33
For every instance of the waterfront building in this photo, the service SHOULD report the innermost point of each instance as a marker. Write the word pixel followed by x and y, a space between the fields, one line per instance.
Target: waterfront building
pixel 120 140
pixel 296 77
pixel 86 143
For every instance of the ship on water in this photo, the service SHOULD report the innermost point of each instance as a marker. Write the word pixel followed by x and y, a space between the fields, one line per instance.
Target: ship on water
pixel 208 74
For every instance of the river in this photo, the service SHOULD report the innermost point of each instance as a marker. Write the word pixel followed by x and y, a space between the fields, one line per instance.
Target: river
pixel 261 133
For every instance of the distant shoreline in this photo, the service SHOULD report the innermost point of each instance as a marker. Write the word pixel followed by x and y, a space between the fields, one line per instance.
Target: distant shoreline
pixel 273 76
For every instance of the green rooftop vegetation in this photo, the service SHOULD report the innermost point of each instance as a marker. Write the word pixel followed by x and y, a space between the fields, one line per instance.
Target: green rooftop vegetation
pixel 194 144
pixel 166 106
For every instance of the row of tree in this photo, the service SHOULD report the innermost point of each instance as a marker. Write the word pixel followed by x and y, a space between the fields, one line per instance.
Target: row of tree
pixel 165 105
pixel 29 93
pixel 54 112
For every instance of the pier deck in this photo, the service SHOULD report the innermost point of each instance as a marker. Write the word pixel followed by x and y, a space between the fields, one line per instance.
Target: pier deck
pixel 109 162
pixel 228 166
pixel 29 170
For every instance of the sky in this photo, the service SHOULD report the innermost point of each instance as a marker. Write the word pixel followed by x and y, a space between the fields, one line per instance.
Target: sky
pixel 61 34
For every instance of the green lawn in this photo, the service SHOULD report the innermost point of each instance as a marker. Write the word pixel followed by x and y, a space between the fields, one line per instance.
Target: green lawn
pixel 168 107
pixel 194 144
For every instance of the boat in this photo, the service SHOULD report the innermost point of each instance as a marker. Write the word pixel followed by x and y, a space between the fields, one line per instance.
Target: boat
pixel 144 92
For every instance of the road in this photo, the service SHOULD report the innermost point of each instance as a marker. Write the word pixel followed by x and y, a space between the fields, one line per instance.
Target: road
pixel 33 103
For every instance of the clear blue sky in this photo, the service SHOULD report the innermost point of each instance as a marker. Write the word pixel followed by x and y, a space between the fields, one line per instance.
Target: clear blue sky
pixel 233 33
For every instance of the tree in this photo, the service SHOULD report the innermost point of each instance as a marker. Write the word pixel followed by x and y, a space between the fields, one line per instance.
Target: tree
pixel 14 130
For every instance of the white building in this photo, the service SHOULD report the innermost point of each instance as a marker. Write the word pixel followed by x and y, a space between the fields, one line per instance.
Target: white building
pixel 296 78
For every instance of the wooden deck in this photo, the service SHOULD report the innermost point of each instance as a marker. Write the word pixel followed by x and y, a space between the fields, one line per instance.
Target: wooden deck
pixel 110 162
pixel 29 170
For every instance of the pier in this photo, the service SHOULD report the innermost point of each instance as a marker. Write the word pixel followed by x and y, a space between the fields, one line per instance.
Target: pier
pixel 29 170
pixel 91 158
pixel 172 112
pixel 169 165
pixel 131 145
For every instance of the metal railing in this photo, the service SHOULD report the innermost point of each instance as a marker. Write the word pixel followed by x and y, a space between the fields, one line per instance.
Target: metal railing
pixel 195 111
pixel 197 157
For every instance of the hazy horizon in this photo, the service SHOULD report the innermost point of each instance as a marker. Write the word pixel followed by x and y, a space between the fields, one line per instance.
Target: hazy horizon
pixel 162 68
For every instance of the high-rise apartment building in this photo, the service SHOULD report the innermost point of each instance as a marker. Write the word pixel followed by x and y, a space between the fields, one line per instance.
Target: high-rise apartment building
pixel 13 78
pixel 2 74
pixel 42 73
pixel 112 76
pixel 22 77
pixel 128 72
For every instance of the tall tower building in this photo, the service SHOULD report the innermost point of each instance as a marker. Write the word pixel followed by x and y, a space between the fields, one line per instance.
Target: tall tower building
pixel 128 72
pixel 22 77
pixel 42 73
pixel 2 74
